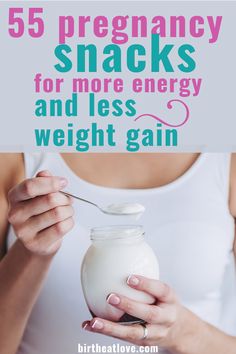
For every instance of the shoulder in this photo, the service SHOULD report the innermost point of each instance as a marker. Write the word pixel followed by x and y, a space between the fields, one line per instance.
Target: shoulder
pixel 232 200
pixel 12 170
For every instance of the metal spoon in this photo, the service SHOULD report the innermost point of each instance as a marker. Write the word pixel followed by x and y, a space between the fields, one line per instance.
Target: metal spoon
pixel 113 209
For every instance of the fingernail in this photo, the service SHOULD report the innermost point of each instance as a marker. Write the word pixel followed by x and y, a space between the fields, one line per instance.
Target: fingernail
pixel 46 172
pixel 85 326
pixel 63 182
pixel 113 299
pixel 132 280
pixel 97 324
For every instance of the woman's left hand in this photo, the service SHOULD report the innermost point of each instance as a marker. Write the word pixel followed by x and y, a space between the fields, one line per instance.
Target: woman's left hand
pixel 163 319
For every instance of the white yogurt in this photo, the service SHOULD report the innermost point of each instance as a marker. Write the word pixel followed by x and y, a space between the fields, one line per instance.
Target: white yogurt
pixel 116 252
pixel 129 209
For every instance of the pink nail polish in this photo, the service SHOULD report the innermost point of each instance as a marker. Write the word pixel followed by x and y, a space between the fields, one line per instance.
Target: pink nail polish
pixel 132 280
pixel 97 325
pixel 113 299
pixel 85 326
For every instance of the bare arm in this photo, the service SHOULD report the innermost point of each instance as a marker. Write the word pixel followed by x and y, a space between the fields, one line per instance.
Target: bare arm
pixel 40 217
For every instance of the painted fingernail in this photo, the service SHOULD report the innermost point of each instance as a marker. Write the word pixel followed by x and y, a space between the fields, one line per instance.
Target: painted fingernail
pixel 113 299
pixel 132 280
pixel 97 324
pixel 85 326
pixel 63 182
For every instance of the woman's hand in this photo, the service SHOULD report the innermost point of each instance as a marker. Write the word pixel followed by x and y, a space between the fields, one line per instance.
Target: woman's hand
pixel 40 214
pixel 163 319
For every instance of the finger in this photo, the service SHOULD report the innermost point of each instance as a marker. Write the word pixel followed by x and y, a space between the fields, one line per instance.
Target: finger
pixel 128 333
pixel 24 210
pixel 40 222
pixel 133 333
pixel 34 187
pixel 47 173
pixel 49 240
pixel 149 313
pixel 156 288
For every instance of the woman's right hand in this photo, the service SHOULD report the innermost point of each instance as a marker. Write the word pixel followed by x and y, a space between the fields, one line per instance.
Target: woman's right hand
pixel 40 214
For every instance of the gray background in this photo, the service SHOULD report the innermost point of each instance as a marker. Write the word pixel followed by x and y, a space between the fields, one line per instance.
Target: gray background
pixel 213 124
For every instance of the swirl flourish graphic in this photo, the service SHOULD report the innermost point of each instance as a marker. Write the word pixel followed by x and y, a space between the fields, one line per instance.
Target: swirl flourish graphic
pixel 169 106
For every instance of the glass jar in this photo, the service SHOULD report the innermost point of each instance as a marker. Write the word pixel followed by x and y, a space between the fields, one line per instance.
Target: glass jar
pixel 115 253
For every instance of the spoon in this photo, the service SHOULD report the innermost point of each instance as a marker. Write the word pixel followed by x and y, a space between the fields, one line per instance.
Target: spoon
pixel 114 209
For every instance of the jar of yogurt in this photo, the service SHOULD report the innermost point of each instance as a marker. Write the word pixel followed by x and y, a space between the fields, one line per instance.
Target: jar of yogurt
pixel 115 253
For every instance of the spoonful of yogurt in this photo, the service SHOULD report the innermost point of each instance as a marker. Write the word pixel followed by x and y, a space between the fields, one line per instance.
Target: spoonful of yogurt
pixel 132 209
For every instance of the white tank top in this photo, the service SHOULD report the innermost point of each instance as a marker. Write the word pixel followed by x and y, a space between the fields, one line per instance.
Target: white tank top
pixel 187 223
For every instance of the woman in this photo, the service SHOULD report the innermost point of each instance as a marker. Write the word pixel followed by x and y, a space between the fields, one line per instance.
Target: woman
pixel 190 202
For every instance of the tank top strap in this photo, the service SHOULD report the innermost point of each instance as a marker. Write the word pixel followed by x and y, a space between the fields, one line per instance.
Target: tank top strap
pixel 39 161
pixel 223 164
pixel 33 161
